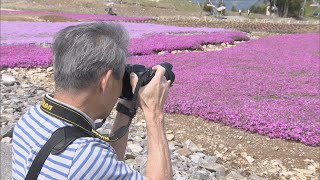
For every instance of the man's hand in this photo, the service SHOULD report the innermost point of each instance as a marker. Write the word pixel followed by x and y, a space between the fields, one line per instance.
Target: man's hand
pixel 151 99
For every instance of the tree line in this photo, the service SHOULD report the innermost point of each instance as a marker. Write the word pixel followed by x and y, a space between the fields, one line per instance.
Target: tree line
pixel 281 8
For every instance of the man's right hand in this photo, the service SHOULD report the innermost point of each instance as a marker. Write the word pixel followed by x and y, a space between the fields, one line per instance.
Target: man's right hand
pixel 151 98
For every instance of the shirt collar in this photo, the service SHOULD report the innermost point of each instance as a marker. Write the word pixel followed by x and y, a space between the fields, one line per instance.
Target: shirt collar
pixel 50 96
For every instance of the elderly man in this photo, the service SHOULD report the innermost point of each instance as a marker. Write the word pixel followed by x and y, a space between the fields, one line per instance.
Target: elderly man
pixel 89 63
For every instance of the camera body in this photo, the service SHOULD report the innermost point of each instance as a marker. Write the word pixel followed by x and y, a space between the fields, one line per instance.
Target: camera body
pixel 140 70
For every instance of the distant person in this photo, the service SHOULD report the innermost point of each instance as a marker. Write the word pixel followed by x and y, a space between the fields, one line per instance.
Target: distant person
pixel 221 9
pixel 109 5
pixel 249 12
pixel 240 12
pixel 212 8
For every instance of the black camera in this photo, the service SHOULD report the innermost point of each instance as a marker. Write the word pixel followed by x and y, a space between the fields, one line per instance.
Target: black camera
pixel 140 70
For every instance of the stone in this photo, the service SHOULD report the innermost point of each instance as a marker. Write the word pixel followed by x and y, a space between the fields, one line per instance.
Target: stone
pixel 174 52
pixel 243 154
pixel 304 171
pixel 176 144
pixel 301 176
pixel 20 92
pixel 233 175
pixel 41 92
pixel 208 163
pixel 169 132
pixel 218 154
pixel 7 131
pixel 6 140
pixel 250 159
pixel 256 177
pixel 277 163
pixel 49 69
pixel 137 139
pixel 276 148
pixel 170 137
pixel 129 162
pixel 200 175
pixel 129 156
pixel 191 146
pixel 240 137
pixel 172 147
pixel 9 111
pixel 6 118
pixel 140 161
pixel 135 148
pixel 219 171
pixel 196 157
pixel 312 168
pixel 210 46
pixel 184 151
pixel 288 173
pixel 8 80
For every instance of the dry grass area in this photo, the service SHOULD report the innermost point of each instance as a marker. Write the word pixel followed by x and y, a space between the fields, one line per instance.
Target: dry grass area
pixel 34 18
pixel 246 26
pixel 76 6
pixel 128 8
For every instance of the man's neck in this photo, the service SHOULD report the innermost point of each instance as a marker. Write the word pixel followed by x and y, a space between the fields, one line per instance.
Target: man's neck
pixel 81 100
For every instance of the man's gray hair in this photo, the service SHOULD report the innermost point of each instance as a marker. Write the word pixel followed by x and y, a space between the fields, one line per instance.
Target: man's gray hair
pixel 82 53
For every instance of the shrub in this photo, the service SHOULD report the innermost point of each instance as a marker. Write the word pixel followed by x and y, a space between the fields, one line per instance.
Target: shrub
pixel 258 8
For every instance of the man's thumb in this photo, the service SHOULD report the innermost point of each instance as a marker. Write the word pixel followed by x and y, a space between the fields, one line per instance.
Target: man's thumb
pixel 133 80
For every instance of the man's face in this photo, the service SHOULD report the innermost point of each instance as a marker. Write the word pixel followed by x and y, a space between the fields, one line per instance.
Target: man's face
pixel 113 92
pixel 117 86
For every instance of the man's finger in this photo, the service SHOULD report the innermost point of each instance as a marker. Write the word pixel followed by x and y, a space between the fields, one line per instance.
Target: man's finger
pixel 133 81
pixel 160 71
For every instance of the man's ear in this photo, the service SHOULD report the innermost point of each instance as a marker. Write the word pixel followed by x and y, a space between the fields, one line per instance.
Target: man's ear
pixel 105 81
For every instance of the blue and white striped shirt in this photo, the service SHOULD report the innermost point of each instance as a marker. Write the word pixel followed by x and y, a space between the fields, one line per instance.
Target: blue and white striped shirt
pixel 85 158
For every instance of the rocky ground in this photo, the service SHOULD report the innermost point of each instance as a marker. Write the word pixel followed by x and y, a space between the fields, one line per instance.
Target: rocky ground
pixel 199 149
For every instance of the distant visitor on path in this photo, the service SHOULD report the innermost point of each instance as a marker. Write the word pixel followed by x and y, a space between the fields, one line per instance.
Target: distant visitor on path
pixel 109 5
pixel 240 12
pixel 212 8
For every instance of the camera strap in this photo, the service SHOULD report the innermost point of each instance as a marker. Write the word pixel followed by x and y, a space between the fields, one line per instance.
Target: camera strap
pixel 65 113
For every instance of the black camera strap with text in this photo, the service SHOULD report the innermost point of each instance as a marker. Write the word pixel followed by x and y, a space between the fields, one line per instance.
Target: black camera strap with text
pixel 69 115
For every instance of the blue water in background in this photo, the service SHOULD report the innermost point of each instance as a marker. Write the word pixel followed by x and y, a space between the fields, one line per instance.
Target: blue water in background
pixel 239 4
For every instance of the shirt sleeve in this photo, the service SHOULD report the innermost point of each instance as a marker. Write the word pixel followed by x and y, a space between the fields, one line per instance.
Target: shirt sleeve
pixel 96 160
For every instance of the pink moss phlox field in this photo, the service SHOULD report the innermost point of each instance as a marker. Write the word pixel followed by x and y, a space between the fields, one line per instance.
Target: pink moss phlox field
pixel 25 56
pixel 76 16
pixel 43 32
pixel 163 42
pixel 22 55
pixel 268 86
